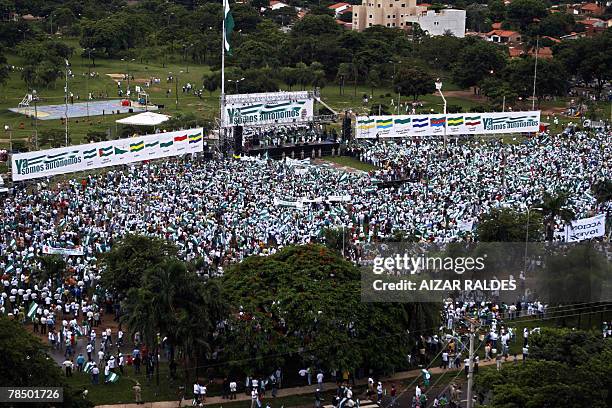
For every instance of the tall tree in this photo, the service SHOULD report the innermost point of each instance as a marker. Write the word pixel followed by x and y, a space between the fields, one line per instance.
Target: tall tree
pixel 523 12
pixel 555 206
pixel 506 225
pixel 126 263
pixel 25 358
pixel 173 302
pixel 308 298
pixel 414 82
pixel 476 62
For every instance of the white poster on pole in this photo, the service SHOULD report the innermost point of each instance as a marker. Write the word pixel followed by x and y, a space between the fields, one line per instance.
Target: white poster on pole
pixel 586 228
pixel 44 163
pixel 267 108
pixel 454 124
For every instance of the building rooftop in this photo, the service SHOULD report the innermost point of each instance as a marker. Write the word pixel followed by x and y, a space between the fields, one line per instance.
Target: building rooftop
pixel 338 5
pixel 503 33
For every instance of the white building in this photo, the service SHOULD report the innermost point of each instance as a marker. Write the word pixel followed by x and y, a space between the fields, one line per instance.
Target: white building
pixel 405 13
pixel 275 5
pixel 438 23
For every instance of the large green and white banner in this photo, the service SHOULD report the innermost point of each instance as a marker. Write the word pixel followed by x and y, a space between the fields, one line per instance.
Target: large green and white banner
pixel 455 124
pixel 44 163
pixel 267 108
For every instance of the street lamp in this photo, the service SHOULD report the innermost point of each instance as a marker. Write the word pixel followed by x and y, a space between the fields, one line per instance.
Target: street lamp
pixel 237 81
pixel 176 87
pixel 127 68
pixel 35 100
pixel 88 50
pixel 7 129
pixel 439 89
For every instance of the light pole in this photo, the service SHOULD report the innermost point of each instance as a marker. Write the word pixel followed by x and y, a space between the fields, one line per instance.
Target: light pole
pixel 35 100
pixel 66 100
pixel 399 99
pixel 237 81
pixel 89 50
pixel 127 69
pixel 439 88
pixel 7 129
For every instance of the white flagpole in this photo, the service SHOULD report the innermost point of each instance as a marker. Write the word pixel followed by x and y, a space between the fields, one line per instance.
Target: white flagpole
pixel 223 57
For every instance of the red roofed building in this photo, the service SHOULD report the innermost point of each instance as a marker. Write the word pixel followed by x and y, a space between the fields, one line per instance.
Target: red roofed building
pixel 553 39
pixel 504 36
pixel 515 52
pixel 275 5
pixel 339 8
pixel 543 52
pixel 591 9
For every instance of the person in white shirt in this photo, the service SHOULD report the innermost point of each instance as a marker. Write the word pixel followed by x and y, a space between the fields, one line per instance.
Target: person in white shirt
pixel 89 349
pixel 320 380
pixel 254 398
pixel 233 387
pixel 196 392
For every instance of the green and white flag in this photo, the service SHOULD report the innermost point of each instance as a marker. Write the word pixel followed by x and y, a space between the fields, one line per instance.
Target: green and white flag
pixel 88 367
pixel 112 378
pixel 228 22
pixel 32 310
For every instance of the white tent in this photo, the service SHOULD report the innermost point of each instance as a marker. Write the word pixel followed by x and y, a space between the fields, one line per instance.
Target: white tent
pixel 144 119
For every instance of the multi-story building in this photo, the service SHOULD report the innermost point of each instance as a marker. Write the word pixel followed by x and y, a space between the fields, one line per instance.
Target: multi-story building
pixel 404 13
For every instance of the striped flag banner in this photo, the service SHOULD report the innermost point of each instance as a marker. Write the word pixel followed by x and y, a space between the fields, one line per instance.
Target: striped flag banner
pixel 32 310
pixel 112 378
pixel 88 367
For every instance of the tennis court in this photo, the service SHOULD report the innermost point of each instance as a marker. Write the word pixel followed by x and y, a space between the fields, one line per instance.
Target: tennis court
pixel 79 110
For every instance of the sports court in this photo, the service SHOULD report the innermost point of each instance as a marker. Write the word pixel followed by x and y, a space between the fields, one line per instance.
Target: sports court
pixel 79 110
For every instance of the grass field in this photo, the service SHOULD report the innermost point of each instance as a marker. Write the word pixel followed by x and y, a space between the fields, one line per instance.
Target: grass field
pixel 206 108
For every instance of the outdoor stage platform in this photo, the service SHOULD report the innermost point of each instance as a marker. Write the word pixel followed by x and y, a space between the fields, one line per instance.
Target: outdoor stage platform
pixel 79 110
pixel 296 151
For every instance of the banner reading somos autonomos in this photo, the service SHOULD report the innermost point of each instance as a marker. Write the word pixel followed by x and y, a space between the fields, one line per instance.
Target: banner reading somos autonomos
pixel 263 108
pixel 456 124
pixel 44 163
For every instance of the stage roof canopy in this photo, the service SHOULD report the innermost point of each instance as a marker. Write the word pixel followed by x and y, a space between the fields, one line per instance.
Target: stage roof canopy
pixel 144 119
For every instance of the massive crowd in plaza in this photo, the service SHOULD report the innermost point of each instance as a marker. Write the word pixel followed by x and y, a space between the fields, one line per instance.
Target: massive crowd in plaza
pixel 223 210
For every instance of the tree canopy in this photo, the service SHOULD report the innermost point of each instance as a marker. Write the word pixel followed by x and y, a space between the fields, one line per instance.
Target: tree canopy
pixel 26 364
pixel 125 265
pixel 304 304
pixel 565 368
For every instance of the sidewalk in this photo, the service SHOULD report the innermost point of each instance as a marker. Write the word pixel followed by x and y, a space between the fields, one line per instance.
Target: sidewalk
pixel 285 392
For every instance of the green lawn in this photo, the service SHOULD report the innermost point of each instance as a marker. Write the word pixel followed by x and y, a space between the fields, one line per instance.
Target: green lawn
pixel 350 162
pixel 121 391
pixel 206 108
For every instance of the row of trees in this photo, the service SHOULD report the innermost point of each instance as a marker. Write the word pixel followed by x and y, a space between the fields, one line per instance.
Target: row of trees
pixel 565 368
pixel 301 305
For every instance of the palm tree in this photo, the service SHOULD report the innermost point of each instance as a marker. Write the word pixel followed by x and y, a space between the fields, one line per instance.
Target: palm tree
pixel 555 206
pixel 174 303
pixel 602 190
